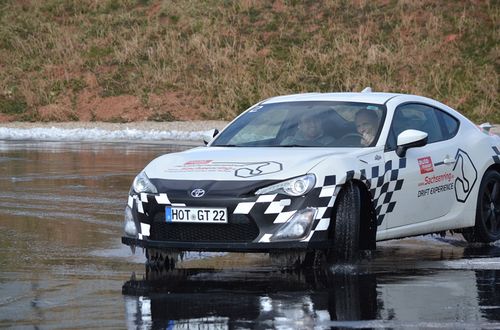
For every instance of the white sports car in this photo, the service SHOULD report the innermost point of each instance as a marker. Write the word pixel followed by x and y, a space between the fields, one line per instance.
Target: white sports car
pixel 321 175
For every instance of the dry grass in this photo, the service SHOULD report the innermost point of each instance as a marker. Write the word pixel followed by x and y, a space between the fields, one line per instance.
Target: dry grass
pixel 225 55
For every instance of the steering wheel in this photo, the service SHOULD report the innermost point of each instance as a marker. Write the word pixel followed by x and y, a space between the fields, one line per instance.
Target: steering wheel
pixel 351 135
pixel 352 138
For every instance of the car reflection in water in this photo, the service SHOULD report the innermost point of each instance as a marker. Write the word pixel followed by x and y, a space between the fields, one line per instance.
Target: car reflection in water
pixel 231 298
pixel 343 296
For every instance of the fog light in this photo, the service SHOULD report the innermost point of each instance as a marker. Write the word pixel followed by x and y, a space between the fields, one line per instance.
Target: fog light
pixel 129 223
pixel 297 227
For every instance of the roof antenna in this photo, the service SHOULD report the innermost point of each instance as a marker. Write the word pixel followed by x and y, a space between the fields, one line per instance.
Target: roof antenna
pixel 367 90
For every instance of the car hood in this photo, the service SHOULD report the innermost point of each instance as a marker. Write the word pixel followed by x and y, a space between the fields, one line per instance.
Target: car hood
pixel 226 163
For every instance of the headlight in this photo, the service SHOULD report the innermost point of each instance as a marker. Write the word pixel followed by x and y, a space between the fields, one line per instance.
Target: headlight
pixel 143 185
pixel 293 187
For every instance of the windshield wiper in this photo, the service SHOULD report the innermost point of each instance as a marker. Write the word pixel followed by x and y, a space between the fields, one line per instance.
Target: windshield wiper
pixel 293 145
pixel 263 146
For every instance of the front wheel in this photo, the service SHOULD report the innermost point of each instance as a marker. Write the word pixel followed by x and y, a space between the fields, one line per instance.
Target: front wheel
pixel 347 221
pixel 487 227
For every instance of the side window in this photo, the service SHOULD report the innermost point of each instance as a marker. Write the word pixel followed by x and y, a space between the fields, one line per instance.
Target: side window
pixel 448 123
pixel 419 117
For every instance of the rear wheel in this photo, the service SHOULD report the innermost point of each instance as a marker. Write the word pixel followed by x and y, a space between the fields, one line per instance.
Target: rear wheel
pixel 487 227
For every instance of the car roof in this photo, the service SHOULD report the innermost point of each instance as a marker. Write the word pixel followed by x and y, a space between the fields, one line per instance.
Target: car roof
pixel 376 98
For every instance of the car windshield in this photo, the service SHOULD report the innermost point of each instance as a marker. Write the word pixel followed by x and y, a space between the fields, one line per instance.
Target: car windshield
pixel 305 124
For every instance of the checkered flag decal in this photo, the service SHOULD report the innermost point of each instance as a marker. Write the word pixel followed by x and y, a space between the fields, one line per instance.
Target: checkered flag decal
pixel 496 158
pixel 278 208
pixel 142 199
pixel 382 184
pixel 383 181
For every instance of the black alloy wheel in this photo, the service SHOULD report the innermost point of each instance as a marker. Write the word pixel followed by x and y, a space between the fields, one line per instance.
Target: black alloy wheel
pixel 487 228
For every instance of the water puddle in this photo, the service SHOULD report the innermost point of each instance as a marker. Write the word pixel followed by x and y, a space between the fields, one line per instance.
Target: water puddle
pixel 62 263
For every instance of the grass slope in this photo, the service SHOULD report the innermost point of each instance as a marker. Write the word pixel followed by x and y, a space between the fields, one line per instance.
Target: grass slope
pixel 219 57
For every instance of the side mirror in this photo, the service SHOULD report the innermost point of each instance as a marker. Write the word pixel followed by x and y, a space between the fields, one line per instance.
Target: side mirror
pixel 210 135
pixel 410 138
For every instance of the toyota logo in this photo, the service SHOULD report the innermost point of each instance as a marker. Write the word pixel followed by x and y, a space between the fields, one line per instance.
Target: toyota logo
pixel 198 193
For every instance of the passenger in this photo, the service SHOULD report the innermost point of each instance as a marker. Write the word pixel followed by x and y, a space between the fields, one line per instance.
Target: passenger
pixel 310 133
pixel 366 125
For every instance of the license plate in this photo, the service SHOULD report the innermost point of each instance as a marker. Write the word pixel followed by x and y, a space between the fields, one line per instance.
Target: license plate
pixel 196 214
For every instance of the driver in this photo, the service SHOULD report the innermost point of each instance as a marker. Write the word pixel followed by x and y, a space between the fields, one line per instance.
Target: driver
pixel 366 125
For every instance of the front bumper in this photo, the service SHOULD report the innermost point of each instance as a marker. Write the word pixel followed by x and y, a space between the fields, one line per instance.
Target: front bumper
pixel 253 221
pixel 226 247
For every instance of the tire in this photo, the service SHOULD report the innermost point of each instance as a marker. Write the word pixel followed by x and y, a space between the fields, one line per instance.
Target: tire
pixel 315 259
pixel 487 226
pixel 345 233
pixel 347 221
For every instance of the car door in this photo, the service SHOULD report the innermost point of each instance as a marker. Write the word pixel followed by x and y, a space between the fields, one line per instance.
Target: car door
pixel 427 191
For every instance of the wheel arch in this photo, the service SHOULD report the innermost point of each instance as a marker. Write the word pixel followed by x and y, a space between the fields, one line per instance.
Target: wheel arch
pixel 491 167
pixel 368 225
pixel 494 167
pixel 480 232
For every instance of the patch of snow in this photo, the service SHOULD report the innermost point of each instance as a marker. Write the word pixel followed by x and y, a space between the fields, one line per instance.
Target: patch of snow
pixel 97 134
pixel 473 264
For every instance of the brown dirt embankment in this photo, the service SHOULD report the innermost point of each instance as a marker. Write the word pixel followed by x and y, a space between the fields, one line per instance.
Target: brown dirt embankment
pixel 154 60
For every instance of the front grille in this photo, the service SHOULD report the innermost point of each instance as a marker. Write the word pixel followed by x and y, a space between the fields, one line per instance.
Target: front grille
pixel 239 229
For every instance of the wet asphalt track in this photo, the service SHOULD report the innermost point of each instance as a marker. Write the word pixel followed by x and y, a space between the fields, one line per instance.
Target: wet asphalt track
pixel 62 264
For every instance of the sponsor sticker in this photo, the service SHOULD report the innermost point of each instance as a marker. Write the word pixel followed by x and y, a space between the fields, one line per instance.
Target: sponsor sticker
pixel 198 162
pixel 255 108
pixel 425 164
pixel 240 169
pixel 438 184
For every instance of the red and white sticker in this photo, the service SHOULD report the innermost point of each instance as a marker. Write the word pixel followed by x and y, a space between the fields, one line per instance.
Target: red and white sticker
pixel 425 164
pixel 198 162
